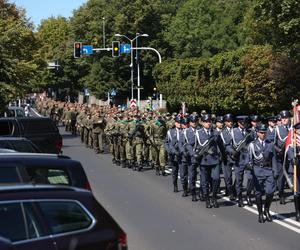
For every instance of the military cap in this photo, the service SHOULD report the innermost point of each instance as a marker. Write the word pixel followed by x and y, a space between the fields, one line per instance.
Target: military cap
pixel 297 125
pixel 178 119
pixel 174 114
pixel 278 117
pixel 272 118
pixel 228 118
pixel 262 128
pixel 285 114
pixel 255 118
pixel 220 119
pixel 185 120
pixel 168 114
pixel 206 117
pixel 194 118
pixel 242 118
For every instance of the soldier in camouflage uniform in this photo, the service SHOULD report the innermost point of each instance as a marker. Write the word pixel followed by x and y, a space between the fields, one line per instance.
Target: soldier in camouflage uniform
pixel 110 131
pixel 122 138
pixel 98 126
pixel 86 122
pixel 79 120
pixel 157 136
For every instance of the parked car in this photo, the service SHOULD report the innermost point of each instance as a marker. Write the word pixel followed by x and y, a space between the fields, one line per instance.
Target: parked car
pixel 41 169
pixel 14 111
pixel 40 130
pixel 18 144
pixel 57 218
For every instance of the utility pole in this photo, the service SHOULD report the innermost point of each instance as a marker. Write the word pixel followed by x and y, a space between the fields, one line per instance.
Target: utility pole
pixel 103 29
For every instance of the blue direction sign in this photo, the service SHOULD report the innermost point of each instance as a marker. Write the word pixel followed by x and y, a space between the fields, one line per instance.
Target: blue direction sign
pixel 125 48
pixel 113 93
pixel 87 49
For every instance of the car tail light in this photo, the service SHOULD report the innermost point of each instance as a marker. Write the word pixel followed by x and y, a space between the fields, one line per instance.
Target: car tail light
pixel 88 186
pixel 122 239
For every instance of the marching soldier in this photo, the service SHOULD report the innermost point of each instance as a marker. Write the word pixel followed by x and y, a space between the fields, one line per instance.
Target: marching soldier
pixel 281 133
pixel 187 149
pixel 209 157
pixel 157 136
pixel 228 162
pixel 294 158
pixel 98 126
pixel 172 148
pixel 262 162
pixel 241 137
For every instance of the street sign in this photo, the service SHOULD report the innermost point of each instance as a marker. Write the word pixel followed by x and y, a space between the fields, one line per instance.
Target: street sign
pixel 133 103
pixel 113 93
pixel 125 48
pixel 87 49
pixel 86 92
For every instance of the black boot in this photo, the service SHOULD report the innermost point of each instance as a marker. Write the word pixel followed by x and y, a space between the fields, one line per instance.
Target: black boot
pixel 118 163
pixel 267 207
pixel 175 187
pixel 297 207
pixel 248 199
pixel 231 195
pixel 185 190
pixel 215 187
pixel 157 172
pixel 139 166
pixel 123 164
pixel 207 199
pixel 201 197
pixel 281 199
pixel 240 201
pixel 259 209
pixel 194 198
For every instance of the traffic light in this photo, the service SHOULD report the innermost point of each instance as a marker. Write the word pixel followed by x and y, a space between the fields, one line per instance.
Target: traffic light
pixel 115 49
pixel 77 49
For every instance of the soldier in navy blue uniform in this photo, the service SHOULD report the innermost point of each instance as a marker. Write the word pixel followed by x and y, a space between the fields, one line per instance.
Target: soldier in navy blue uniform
pixel 228 163
pixel 209 161
pixel 255 121
pixel 241 137
pixel 172 148
pixel 272 120
pixel 187 148
pixel 294 157
pixel 281 133
pixel 183 167
pixel 262 162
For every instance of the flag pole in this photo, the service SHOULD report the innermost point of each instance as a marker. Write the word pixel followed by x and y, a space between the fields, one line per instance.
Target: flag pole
pixel 295 145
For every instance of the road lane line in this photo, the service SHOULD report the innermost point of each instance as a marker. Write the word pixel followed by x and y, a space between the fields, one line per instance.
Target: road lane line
pixel 283 221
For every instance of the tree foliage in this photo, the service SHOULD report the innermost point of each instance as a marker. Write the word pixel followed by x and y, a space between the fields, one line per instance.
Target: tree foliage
pixel 19 61
pixel 252 79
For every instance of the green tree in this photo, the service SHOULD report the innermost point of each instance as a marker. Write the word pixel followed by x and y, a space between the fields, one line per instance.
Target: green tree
pixel 19 60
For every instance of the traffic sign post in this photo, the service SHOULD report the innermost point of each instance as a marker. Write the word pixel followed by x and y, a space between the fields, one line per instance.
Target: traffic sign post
pixel 125 48
pixel 133 103
pixel 87 49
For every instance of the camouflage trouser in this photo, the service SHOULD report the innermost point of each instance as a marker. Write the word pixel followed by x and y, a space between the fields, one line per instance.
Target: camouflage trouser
pixel 146 152
pixel 122 149
pixel 129 151
pixel 90 139
pixel 81 132
pixel 158 153
pixel 138 150
pixel 98 142
pixel 86 136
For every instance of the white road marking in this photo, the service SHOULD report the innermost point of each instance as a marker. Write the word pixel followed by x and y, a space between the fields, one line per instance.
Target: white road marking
pixel 34 111
pixel 277 218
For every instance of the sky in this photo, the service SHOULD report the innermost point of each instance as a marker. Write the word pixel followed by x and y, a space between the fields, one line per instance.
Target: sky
pixel 42 9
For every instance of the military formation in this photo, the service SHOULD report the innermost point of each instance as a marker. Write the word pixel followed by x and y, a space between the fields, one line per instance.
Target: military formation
pixel 200 147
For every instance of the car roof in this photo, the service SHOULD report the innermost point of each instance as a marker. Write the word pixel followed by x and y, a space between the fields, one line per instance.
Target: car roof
pixel 8 138
pixel 34 156
pixel 39 188
pixel 6 150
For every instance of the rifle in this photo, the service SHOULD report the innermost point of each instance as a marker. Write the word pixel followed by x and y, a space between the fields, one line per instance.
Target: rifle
pixel 240 146
pixel 207 148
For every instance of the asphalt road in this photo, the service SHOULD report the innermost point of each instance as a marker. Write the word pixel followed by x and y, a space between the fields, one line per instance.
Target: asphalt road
pixel 155 218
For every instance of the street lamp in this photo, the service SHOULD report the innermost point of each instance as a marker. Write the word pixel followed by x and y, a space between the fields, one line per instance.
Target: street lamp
pixel 131 55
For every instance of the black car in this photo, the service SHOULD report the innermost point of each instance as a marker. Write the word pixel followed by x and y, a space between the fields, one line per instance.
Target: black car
pixel 57 218
pixel 40 130
pixel 41 169
pixel 18 144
